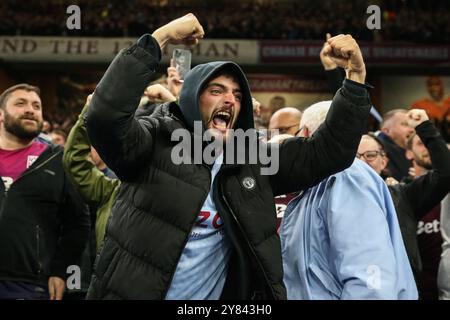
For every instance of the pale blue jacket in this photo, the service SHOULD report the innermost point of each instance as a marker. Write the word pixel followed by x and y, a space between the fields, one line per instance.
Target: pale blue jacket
pixel 341 240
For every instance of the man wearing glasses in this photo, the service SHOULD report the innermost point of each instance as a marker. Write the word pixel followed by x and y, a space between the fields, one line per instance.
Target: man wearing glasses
pixel 340 238
pixel 286 121
pixel 414 199
pixel 371 155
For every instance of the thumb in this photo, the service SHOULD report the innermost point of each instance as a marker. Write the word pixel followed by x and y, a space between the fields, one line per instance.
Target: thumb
pixel 197 31
pixel 328 36
pixel 191 41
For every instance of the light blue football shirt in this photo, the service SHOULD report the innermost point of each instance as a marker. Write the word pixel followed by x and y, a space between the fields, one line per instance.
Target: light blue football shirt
pixel 202 269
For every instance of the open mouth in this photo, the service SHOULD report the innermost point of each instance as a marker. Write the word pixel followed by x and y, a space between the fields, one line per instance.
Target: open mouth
pixel 222 120
pixel 30 120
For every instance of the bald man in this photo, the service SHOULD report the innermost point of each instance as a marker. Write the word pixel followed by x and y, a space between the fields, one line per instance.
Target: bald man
pixel 286 120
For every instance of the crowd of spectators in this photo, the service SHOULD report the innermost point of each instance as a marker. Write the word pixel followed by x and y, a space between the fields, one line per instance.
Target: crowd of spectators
pixel 401 20
pixel 62 207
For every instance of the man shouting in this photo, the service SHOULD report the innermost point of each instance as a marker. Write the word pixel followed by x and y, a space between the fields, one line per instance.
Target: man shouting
pixel 204 230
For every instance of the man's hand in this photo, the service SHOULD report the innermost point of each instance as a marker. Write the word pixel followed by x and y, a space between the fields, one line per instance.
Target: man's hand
pixel 345 52
pixel 391 181
pixel 174 82
pixel 157 92
pixel 412 172
pixel 416 117
pixel 185 30
pixel 256 107
pixel 56 287
pixel 327 62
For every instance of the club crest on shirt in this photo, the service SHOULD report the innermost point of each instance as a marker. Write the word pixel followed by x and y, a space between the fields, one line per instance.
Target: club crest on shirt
pixel 31 160
pixel 249 183
pixel 7 181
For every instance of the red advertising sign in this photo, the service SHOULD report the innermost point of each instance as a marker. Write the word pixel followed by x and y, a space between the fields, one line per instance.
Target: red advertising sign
pixel 308 52
pixel 286 83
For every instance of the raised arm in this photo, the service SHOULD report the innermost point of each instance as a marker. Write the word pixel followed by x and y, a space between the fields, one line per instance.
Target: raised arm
pixel 94 187
pixel 305 162
pixel 428 190
pixel 332 71
pixel 121 140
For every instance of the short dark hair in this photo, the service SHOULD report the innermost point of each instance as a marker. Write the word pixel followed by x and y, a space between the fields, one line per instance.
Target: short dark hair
pixel 21 86
pixel 432 79
pixel 231 75
pixel 227 73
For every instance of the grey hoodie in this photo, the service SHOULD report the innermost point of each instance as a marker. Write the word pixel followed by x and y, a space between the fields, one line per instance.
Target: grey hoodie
pixel 197 78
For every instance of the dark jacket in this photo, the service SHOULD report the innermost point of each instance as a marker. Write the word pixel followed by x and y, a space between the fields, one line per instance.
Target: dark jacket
pixel 398 164
pixel 158 201
pixel 415 199
pixel 44 225
pixel 334 78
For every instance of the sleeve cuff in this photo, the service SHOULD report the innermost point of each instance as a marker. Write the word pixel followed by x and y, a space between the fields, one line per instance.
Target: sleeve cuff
pixel 356 92
pixel 426 131
pixel 58 270
pixel 149 44
pixel 356 87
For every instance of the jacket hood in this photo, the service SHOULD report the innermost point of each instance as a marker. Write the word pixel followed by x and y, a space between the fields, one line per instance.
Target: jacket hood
pixel 198 77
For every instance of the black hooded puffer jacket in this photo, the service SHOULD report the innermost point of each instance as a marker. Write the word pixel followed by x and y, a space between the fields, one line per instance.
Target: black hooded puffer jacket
pixel 159 201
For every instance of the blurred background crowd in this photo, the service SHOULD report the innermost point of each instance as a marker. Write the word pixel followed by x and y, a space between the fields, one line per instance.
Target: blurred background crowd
pixel 422 21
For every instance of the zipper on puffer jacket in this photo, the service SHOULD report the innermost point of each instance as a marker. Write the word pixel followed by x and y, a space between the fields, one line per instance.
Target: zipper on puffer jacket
pixel 38 249
pixel 187 238
pixel 245 237
pixel 3 202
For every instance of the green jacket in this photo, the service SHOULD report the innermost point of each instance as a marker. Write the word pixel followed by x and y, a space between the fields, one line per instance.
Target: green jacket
pixel 94 187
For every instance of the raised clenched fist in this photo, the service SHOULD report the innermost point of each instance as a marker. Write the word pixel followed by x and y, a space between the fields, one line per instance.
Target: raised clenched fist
pixel 157 92
pixel 416 117
pixel 327 62
pixel 185 30
pixel 344 51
